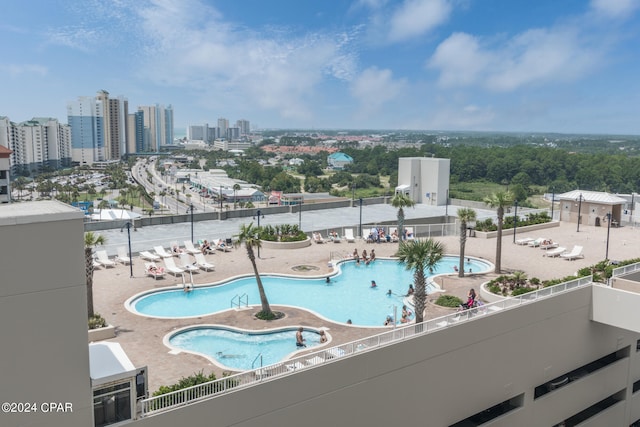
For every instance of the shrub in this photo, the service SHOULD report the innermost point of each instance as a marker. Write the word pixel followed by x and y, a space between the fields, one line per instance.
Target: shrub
pixel 282 233
pixel 96 321
pixel 448 301
pixel 522 290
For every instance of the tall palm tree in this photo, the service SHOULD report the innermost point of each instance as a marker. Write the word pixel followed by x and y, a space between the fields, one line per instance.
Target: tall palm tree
pixel 418 255
pixel 401 201
pixel 249 236
pixel 499 200
pixel 236 187
pixel 90 241
pixel 465 215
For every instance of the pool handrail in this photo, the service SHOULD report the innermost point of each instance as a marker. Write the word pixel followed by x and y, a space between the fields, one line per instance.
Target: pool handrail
pixel 165 402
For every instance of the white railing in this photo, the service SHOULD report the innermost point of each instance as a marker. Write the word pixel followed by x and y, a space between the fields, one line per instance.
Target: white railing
pixel 626 269
pixel 165 402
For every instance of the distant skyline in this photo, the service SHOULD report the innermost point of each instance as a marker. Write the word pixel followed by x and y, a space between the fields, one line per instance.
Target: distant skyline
pixel 568 66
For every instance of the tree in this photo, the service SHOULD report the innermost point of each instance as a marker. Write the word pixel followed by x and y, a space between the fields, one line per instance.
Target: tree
pixel 249 236
pixel 90 241
pixel 418 255
pixel 401 201
pixel 465 215
pixel 499 200
pixel 20 184
pixel 236 187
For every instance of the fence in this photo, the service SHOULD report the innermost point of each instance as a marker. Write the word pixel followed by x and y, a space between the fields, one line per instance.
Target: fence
pixel 158 404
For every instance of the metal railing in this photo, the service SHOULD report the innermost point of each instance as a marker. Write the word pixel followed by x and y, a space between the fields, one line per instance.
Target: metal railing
pixel 158 404
pixel 237 301
pixel 626 269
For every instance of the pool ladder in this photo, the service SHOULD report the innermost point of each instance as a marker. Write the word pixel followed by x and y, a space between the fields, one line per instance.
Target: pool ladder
pixel 238 300
pixel 184 284
pixel 253 364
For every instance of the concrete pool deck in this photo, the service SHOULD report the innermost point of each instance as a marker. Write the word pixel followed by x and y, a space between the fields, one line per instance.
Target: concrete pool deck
pixel 141 337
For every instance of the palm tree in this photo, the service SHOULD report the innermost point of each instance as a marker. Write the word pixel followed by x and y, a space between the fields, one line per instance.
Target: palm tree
pixel 236 187
pixel 90 241
pixel 249 236
pixel 401 201
pixel 465 215
pixel 499 200
pixel 418 255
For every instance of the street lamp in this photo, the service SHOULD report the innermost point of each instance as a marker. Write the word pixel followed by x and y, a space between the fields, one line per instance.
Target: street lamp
pixel 553 198
pixel 258 214
pixel 300 214
pixel 128 224
pixel 515 219
pixel 361 217
pixel 191 209
pixel 446 207
pixel 606 256
pixel 580 198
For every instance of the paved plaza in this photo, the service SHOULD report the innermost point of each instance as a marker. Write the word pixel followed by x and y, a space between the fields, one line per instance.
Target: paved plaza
pixel 141 337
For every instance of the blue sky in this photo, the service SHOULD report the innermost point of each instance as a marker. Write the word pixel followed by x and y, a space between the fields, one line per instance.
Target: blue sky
pixel 493 65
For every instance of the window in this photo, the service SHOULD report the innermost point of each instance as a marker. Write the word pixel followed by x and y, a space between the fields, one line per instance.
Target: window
pixel 112 404
pixel 593 410
pixel 492 413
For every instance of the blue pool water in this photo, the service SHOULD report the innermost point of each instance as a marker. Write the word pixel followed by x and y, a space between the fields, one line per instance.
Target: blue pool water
pixel 241 350
pixel 347 296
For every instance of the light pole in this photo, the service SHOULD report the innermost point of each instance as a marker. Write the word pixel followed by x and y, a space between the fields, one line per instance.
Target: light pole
pixel 220 195
pixel 128 224
pixel 579 209
pixel 606 256
pixel 361 217
pixel 259 214
pixel 190 209
pixel 553 198
pixel 446 208
pixel 300 215
pixel 515 219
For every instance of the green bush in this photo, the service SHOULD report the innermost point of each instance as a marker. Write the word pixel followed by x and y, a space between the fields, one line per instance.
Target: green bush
pixel 448 301
pixel 522 290
pixel 96 321
pixel 282 233
pixel 186 382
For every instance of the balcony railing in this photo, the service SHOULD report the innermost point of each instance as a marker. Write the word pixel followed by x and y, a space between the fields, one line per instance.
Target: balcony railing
pixel 165 402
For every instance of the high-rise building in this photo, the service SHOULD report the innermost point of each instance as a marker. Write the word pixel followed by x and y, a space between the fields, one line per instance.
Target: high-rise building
pixel 223 125
pixel 136 142
pixel 198 132
pixel 159 122
pixel 244 126
pixel 115 124
pixel 5 175
pixel 37 145
pixel 86 118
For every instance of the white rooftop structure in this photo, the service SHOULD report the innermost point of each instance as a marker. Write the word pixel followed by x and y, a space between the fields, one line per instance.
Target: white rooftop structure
pixel 592 196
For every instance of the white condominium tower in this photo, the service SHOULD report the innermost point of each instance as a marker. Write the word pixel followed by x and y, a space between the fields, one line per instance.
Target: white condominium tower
pixel 158 120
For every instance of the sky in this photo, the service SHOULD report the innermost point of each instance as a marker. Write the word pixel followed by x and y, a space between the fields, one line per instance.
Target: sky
pixel 570 66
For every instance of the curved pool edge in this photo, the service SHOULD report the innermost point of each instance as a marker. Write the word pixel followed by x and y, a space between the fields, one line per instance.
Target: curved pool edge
pixel 169 335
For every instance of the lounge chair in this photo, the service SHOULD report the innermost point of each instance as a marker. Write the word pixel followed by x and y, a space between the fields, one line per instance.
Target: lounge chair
pixel 96 264
pixel 335 238
pixel 549 244
pixel 393 232
pixel 175 248
pixel 575 253
pixel 161 252
pixel 524 241
pixel 537 242
pixel 103 259
pixel 151 269
pixel 149 256
pixel 203 263
pixel 410 235
pixel 348 235
pixel 187 265
pixel 317 237
pixel 190 248
pixel 222 245
pixel 172 267
pixel 555 252
pixel 122 256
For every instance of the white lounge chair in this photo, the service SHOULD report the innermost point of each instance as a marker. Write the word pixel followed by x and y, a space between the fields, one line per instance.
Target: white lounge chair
pixel 149 256
pixel 172 267
pixel 348 235
pixel 222 245
pixel 161 252
pixel 122 256
pixel 393 232
pixel 410 235
pixel 187 265
pixel 317 237
pixel 103 259
pixel 549 244
pixel 96 264
pixel 203 263
pixel 175 248
pixel 575 253
pixel 190 248
pixel 335 238
pixel 555 252
pixel 537 242
pixel 524 241
pixel 151 269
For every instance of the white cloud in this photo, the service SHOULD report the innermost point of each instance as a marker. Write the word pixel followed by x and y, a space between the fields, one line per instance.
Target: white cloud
pixel 615 8
pixel 21 69
pixel 532 57
pixel 374 87
pixel 191 45
pixel 417 17
pixel 461 118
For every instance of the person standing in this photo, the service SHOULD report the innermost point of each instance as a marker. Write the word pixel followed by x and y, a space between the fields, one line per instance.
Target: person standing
pixel 299 338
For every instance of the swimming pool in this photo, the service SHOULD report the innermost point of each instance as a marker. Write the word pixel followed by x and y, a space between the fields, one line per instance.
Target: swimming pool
pixel 238 349
pixel 347 296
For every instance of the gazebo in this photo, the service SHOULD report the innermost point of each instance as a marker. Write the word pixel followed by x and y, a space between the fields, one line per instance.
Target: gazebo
pixel 590 207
